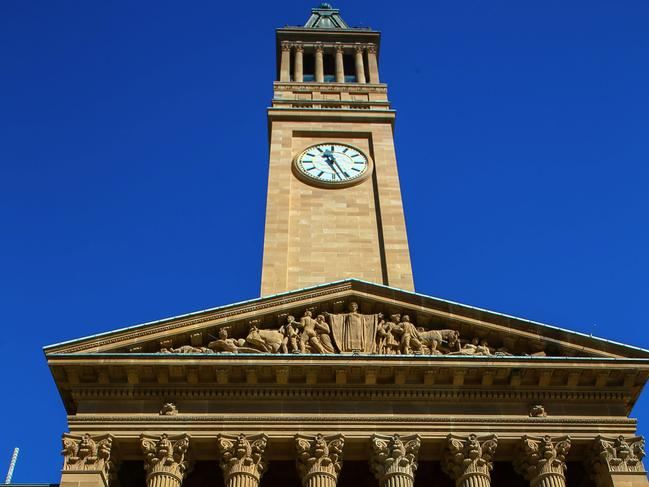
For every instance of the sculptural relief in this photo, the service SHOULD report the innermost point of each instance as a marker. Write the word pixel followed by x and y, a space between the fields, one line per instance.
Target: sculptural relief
pixel 351 332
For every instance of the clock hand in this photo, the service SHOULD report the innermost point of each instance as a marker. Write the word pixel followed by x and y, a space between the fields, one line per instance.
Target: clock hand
pixel 338 165
pixel 331 161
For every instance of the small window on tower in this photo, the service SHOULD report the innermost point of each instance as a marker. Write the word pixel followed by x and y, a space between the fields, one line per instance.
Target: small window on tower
pixel 350 68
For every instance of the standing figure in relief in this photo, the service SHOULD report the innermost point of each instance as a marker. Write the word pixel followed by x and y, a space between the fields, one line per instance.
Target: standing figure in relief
pixel 291 335
pixel 309 335
pixel 354 332
pixel 323 330
pixel 388 343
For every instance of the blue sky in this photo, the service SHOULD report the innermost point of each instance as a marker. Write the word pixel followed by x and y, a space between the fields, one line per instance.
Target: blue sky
pixel 133 155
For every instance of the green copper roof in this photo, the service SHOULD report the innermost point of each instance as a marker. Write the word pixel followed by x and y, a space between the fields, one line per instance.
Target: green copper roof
pixel 325 16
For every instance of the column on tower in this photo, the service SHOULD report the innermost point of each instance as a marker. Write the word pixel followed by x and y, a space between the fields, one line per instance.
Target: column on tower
pixel 372 65
pixel 243 459
pixel 319 459
pixel 360 68
pixel 340 63
pixel 393 459
pixel 319 62
pixel 542 460
pixel 468 459
pixel 298 73
pixel 88 460
pixel 285 62
pixel 165 459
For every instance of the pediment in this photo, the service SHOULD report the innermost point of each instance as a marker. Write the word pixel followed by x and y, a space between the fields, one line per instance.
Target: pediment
pixel 318 321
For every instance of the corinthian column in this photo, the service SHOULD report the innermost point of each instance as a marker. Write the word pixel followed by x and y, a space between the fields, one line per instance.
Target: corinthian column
pixel 285 62
pixel 165 459
pixel 372 64
pixel 242 459
pixel 394 459
pixel 88 460
pixel 319 459
pixel 468 459
pixel 298 72
pixel 319 63
pixel 360 68
pixel 340 65
pixel 617 462
pixel 541 460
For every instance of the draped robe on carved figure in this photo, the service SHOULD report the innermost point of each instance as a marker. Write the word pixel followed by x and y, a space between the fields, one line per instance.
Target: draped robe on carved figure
pixel 353 331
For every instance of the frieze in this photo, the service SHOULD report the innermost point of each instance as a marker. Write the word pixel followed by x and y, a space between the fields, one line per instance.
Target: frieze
pixel 346 333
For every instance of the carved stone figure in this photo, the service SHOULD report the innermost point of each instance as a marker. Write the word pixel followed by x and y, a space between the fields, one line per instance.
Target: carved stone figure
pixel 394 459
pixel 410 338
pixel 187 349
pixel 323 330
pixel 169 409
pixel 476 347
pixel 538 411
pixel 432 339
pixel 87 453
pixel 225 344
pixel 388 335
pixel 242 459
pixel 354 332
pixel 291 335
pixel 266 340
pixel 166 456
pixel 313 331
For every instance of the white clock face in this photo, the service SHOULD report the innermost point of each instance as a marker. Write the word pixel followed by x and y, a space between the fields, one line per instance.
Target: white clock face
pixel 332 163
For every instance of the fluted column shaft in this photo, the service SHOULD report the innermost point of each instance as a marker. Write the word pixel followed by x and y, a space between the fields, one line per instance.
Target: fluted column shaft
pixel 372 64
pixel 468 459
pixel 340 65
pixel 242 459
pixel 162 479
pixel 298 66
pixel 319 64
pixel 285 62
pixel 360 68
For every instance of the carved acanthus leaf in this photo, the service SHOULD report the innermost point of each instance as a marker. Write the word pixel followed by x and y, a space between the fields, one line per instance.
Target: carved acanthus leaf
pixel 319 455
pixel 88 453
pixel 394 455
pixel 542 455
pixel 617 455
pixel 166 454
pixel 465 455
pixel 241 454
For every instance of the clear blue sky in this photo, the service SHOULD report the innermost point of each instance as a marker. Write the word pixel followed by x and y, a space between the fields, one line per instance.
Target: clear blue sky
pixel 133 150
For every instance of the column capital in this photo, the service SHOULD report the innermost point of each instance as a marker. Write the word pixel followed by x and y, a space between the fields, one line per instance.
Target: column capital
pixel 89 453
pixel 318 47
pixel 298 46
pixel 286 45
pixel 166 455
pixel 541 456
pixel 371 48
pixel 608 454
pixel 358 47
pixel 243 455
pixel 319 454
pixel 469 455
pixel 338 47
pixel 394 455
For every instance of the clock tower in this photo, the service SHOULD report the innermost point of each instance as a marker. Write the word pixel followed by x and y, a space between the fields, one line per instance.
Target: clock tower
pixel 334 207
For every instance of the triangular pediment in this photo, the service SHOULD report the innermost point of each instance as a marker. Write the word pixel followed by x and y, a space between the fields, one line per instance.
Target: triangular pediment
pixel 388 322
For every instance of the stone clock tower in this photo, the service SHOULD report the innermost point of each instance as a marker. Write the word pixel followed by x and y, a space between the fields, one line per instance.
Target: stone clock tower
pixel 334 206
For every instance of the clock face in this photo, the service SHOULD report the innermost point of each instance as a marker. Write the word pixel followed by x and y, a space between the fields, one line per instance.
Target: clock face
pixel 332 163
